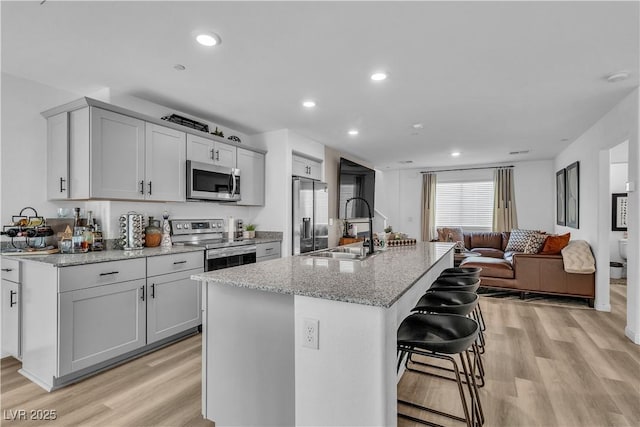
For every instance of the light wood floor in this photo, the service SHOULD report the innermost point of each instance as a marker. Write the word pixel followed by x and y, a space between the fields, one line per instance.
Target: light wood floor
pixel 159 389
pixel 546 366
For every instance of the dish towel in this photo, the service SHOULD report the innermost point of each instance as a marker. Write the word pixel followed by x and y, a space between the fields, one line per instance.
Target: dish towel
pixel 577 258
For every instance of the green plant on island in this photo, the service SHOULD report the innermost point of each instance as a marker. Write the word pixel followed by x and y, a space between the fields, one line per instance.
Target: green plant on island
pixel 250 227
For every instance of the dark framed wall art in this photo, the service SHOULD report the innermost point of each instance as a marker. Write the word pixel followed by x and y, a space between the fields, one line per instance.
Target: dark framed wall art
pixel 560 197
pixel 619 212
pixel 572 199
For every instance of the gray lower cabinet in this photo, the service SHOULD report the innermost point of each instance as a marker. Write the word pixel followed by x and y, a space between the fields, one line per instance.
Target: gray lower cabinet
pixel 83 318
pixel 10 294
pixel 99 323
pixel 267 251
pixel 173 304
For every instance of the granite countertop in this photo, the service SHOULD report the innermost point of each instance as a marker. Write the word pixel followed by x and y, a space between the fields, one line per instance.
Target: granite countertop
pixel 67 260
pixel 379 280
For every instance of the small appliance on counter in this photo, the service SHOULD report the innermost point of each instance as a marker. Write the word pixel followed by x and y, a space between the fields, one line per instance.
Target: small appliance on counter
pixel 131 231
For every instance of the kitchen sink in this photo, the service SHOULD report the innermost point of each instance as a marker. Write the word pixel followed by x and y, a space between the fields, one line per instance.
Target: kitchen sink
pixel 357 253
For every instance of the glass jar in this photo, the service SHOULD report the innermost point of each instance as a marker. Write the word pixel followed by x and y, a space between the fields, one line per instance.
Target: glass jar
pixel 153 233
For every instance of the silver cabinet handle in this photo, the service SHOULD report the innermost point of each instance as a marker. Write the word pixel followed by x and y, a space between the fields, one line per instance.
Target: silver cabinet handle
pixel 149 187
pixel 62 189
pixel 142 187
pixel 212 156
pixel 11 301
pixel 142 289
pixel 153 290
pixel 7 269
pixel 179 262
pixel 268 249
pixel 217 155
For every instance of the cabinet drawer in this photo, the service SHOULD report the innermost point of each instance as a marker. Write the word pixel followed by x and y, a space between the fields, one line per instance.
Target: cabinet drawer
pixel 11 270
pixel 164 264
pixel 267 249
pixel 103 273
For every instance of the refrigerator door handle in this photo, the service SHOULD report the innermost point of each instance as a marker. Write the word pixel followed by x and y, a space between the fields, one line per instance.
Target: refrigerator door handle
pixel 306 228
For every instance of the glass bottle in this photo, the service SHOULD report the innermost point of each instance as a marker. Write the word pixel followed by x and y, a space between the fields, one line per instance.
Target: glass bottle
pixel 98 243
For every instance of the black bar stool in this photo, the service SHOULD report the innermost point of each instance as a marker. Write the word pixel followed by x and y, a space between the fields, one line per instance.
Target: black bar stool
pixel 461 271
pixel 451 302
pixel 465 284
pixel 466 272
pixel 442 336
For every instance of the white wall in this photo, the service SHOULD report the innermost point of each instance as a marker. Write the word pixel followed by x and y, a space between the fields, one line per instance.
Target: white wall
pixel 534 193
pixel 591 149
pixel 23 157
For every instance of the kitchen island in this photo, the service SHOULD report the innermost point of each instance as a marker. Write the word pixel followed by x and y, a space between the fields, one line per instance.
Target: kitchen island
pixel 263 322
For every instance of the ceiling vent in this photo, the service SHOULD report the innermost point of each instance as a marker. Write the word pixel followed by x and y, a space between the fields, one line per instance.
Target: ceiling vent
pixel 513 153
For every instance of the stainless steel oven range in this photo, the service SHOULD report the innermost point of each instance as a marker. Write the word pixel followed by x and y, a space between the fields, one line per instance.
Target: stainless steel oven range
pixel 220 251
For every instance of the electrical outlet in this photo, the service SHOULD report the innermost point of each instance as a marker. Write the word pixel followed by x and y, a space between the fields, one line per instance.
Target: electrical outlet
pixel 310 333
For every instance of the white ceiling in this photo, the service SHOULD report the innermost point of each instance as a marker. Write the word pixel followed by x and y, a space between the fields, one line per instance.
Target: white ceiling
pixel 484 78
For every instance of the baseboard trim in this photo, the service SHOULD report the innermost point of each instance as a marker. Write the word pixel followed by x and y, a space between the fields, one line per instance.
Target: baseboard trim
pixel 633 336
pixel 602 307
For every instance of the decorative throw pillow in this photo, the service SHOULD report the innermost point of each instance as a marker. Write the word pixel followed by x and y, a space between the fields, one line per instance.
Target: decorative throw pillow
pixel 554 244
pixel 518 240
pixel 450 234
pixel 535 243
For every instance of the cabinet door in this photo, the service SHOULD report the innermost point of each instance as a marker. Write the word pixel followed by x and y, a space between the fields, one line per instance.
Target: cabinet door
pixel 299 167
pixel 117 155
pixel 58 156
pixel 315 170
pixel 100 323
pixel 251 165
pixel 165 152
pixel 200 149
pixel 10 300
pixel 224 154
pixel 173 304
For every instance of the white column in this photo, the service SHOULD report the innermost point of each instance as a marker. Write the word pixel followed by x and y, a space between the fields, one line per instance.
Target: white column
pixel 632 330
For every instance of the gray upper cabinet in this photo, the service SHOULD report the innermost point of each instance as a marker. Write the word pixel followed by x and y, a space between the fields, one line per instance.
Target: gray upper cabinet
pixel 165 164
pixel 211 152
pixel 251 165
pixel 117 156
pixel 100 151
pixel 68 155
pixel 306 167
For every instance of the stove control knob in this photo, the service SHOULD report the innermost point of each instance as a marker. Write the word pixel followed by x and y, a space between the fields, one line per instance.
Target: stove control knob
pixel 186 226
pixel 178 226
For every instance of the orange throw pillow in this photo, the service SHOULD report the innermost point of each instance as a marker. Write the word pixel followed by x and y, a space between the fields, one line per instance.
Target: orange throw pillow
pixel 554 244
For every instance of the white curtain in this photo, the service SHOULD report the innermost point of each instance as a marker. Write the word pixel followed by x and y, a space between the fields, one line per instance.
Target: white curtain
pixel 505 217
pixel 428 217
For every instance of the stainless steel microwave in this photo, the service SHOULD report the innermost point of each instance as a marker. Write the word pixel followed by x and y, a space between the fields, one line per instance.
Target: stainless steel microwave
pixel 211 182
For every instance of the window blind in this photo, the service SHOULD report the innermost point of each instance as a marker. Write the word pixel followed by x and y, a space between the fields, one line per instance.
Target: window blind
pixel 465 204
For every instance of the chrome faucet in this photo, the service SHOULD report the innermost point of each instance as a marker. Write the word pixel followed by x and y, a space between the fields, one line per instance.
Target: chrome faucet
pixel 370 220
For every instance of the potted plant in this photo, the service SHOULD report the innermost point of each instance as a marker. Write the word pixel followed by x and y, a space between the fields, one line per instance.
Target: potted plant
pixel 249 231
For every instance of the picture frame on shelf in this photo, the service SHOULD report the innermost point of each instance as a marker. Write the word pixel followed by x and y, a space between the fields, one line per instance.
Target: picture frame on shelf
pixel 619 212
pixel 560 197
pixel 572 199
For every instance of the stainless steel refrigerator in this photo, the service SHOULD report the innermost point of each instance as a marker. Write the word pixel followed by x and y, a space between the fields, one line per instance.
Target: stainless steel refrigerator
pixel 310 215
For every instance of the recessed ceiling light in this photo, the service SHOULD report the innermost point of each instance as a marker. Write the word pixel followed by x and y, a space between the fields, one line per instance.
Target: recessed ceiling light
pixel 513 153
pixel 308 104
pixel 455 154
pixel 379 76
pixel 618 76
pixel 417 126
pixel 179 67
pixel 353 132
pixel 208 39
